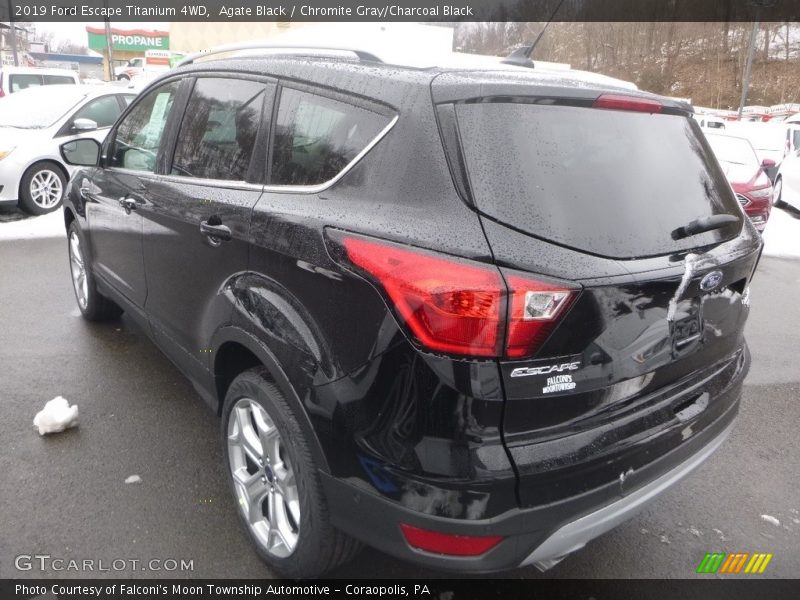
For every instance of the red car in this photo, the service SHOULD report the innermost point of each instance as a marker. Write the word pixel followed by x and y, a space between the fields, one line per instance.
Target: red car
pixel 746 175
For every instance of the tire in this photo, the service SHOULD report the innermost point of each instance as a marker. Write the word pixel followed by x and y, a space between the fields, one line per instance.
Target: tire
pixel 92 304
pixel 41 189
pixel 123 78
pixel 282 484
pixel 776 198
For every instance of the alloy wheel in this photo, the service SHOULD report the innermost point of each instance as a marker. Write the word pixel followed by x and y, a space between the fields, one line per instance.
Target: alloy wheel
pixel 266 487
pixel 46 189
pixel 78 270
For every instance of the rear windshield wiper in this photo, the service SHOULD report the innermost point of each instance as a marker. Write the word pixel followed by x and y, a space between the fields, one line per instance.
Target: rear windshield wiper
pixel 703 224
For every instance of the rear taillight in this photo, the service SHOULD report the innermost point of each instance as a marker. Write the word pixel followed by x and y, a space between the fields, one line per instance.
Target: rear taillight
pixel 459 306
pixel 450 305
pixel 447 543
pixel 2 93
pixel 632 103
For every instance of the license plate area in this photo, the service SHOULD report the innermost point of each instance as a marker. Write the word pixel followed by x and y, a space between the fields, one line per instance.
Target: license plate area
pixel 687 328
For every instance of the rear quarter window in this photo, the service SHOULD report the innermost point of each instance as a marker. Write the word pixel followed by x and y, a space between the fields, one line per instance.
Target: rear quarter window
pixel 315 137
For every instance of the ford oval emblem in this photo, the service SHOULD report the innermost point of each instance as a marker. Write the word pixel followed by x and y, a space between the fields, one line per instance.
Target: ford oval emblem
pixel 710 281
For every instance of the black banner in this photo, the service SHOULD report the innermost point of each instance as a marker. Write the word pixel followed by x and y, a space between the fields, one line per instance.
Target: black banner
pixel 400 10
pixel 436 589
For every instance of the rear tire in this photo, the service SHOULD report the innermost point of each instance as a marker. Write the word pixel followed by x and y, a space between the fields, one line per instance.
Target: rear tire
pixel 92 304
pixel 41 189
pixel 275 483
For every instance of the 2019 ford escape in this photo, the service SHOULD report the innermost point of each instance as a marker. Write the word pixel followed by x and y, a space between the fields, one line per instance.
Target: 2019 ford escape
pixel 473 318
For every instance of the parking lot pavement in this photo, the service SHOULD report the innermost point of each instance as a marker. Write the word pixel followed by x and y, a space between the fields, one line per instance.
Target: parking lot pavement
pixel 65 496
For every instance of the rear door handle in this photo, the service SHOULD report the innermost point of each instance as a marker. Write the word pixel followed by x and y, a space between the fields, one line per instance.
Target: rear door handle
pixel 216 232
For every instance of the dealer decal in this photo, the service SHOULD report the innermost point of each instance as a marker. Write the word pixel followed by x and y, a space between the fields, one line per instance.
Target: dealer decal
pixel 559 383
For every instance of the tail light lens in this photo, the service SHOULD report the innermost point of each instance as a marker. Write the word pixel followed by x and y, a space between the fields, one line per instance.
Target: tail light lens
pixel 449 305
pixel 447 543
pixel 458 306
pixel 536 308
pixel 632 103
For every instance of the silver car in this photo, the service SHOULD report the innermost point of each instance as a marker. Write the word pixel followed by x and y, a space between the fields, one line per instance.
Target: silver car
pixel 34 123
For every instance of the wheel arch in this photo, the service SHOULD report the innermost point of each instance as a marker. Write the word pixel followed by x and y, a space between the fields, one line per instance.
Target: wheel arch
pixel 234 351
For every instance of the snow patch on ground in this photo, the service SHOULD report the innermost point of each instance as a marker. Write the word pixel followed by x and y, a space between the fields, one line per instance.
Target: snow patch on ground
pixel 133 479
pixel 782 235
pixel 57 415
pixel 49 225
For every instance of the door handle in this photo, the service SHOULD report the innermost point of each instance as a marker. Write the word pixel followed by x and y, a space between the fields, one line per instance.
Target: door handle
pixel 216 231
pixel 128 204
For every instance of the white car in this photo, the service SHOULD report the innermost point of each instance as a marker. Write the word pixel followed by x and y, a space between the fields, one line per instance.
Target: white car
pixel 130 69
pixel 16 79
pixel 787 182
pixel 33 125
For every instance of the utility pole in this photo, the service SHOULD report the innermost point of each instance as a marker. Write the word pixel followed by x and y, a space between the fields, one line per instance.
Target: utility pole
pixel 13 33
pixel 749 66
pixel 109 51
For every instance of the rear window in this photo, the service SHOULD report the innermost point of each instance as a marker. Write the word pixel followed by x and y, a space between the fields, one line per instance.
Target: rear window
pixel 607 182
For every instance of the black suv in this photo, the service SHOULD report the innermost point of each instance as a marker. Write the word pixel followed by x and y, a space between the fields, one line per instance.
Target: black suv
pixel 473 318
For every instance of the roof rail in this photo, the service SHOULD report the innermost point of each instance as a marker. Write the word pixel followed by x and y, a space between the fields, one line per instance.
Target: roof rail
pixel 360 54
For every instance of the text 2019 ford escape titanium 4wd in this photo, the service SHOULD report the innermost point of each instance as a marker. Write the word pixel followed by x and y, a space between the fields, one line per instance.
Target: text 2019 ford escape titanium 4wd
pixel 471 318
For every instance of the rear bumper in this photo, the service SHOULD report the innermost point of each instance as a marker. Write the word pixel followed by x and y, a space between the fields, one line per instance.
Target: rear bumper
pixel 537 535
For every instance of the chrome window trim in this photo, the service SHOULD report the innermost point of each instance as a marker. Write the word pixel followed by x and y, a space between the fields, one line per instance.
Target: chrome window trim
pixel 243 185
pixel 321 187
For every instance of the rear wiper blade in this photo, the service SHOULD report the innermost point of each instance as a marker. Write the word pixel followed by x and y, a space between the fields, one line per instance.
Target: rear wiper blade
pixel 703 224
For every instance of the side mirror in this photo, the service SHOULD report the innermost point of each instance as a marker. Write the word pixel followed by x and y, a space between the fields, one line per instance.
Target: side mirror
pixel 768 163
pixel 81 153
pixel 84 125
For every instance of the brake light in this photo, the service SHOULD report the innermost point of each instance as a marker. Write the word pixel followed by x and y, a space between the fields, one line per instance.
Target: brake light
pixel 2 93
pixel 632 103
pixel 450 305
pixel 447 543
pixel 462 307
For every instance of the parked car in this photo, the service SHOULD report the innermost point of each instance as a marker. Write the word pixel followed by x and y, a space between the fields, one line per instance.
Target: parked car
pixel 34 123
pixel 130 69
pixel 767 139
pixel 472 318
pixel 15 79
pixel 746 175
pixel 787 183
pixel 710 122
pixel 792 138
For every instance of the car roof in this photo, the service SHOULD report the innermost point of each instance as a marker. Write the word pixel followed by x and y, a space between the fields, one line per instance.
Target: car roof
pixel 451 82
pixel 37 71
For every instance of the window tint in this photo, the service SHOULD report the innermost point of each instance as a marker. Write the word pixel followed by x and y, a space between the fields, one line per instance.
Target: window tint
pixel 57 80
pixel 23 82
pixel 609 182
pixel 139 135
pixel 796 140
pixel 128 98
pixel 316 137
pixel 103 111
pixel 219 129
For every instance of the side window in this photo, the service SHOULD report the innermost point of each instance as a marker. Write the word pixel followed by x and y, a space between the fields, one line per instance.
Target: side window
pixel 57 80
pixel 23 82
pixel 128 98
pixel 219 129
pixel 103 111
pixel 139 134
pixel 796 138
pixel 316 137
